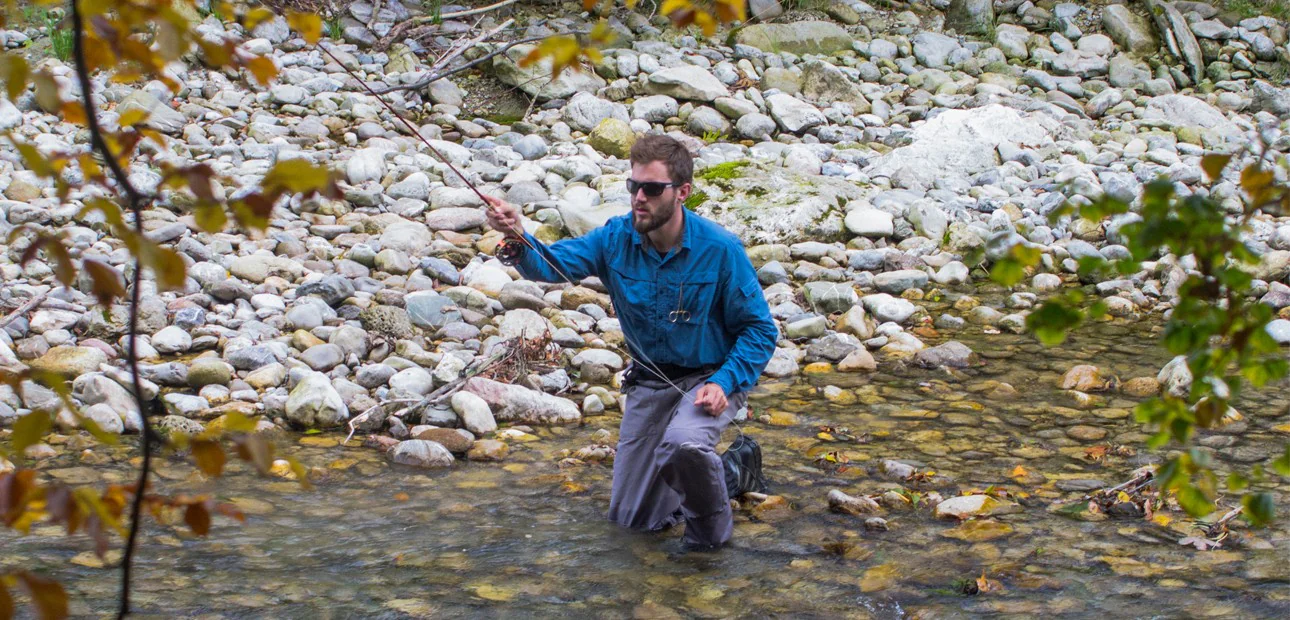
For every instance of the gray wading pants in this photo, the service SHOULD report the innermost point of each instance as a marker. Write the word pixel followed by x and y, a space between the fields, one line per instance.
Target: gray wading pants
pixel 667 460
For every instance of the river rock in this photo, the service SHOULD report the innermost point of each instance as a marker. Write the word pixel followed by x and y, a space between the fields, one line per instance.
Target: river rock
pixel 488 450
pixel 952 354
pixel 804 37
pixel 421 453
pixel 971 17
pixel 315 403
pixel 968 506
pixel 1128 29
pixel 613 137
pixel 793 115
pixel 70 360
pixel 535 80
pixel 160 116
pixel 953 143
pixel 852 505
pixel 453 440
pixel 1083 378
pixel 474 413
pixel 514 403
pixel 686 82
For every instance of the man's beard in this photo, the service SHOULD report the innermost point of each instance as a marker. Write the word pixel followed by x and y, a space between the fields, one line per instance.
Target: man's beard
pixel 656 220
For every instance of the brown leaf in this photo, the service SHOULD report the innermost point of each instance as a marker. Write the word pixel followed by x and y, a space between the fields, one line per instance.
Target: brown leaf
pixel 6 602
pixel 47 595
pixel 198 518
pixel 257 451
pixel 166 264
pixel 209 456
pixel 106 282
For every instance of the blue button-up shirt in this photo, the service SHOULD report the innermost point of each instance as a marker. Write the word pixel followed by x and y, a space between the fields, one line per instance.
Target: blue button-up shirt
pixel 708 276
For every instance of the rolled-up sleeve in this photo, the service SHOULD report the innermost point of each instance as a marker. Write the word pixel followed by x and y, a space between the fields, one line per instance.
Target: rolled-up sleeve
pixel 746 315
pixel 573 259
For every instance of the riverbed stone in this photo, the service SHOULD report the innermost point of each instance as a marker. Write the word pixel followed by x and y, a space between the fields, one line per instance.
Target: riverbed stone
pixel 422 453
pixel 968 506
pixel 514 403
pixel 315 403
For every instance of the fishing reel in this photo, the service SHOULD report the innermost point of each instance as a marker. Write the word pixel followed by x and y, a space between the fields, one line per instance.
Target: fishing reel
pixel 510 251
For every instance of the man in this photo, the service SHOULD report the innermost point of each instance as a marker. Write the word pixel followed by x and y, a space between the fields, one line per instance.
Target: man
pixel 691 309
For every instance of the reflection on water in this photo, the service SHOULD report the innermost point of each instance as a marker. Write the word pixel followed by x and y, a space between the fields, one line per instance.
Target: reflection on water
pixel 528 538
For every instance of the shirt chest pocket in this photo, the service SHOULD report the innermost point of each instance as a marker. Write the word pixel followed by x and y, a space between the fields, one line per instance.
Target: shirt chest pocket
pixel 690 298
pixel 635 293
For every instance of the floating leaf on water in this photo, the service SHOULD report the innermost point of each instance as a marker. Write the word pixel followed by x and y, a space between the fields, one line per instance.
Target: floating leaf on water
pixel 490 592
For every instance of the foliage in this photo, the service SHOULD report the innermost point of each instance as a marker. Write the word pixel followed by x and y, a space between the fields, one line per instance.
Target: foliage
pixel 696 198
pixel 724 171
pixel 335 31
pixel 60 38
pixel 132 41
pixel 1216 325
pixel 1279 9
pixel 567 52
pixel 711 136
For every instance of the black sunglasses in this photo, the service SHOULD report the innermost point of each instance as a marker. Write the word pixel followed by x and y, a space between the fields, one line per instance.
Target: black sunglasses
pixel 652 188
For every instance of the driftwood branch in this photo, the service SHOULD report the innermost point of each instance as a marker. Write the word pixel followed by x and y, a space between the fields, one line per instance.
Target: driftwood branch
pixel 30 305
pixel 416 22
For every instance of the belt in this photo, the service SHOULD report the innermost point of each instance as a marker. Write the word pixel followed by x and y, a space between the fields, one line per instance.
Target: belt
pixel 671 372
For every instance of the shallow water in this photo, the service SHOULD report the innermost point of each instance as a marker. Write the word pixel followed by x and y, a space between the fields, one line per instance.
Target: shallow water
pixel 527 538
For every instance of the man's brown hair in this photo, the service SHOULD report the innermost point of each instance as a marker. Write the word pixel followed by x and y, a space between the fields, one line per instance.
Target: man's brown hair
pixel 652 148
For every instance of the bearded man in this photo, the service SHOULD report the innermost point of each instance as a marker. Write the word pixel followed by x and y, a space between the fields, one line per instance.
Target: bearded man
pixel 699 333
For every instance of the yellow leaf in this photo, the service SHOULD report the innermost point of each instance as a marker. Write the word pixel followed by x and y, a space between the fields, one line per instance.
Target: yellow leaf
pixel 1162 520
pixel 209 456
pixel 1213 164
pixel 1019 472
pixel 15 72
pixel 826 437
pixel 166 265
pixel 133 117
pixel 30 429
pixel 255 17
pixel 1123 497
pixel 298 176
pixel 731 10
pixel 309 25
pixel 705 21
pixel 263 69
pixel 47 95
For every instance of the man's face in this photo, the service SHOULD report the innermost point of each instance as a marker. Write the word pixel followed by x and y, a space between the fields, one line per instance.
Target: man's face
pixel 651 212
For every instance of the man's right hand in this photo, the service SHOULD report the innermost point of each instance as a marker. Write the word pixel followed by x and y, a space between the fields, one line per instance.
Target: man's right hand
pixel 504 217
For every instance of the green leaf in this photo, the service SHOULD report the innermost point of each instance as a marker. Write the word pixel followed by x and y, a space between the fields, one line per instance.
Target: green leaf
pixel 30 429
pixel 1282 463
pixel 1072 509
pixel 1194 501
pixel 210 217
pixel 1259 508
pixel 298 176
pixel 1007 272
pixel 1237 482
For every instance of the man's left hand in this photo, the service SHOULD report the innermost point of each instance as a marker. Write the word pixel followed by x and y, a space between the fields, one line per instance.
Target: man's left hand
pixel 712 398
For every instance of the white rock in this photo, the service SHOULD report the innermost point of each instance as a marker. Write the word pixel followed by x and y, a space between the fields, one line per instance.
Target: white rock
pixel 523 323
pixel 171 339
pixel 686 82
pixel 474 413
pixel 868 222
pixel 414 380
pixel 365 165
pixel 315 403
pixel 794 115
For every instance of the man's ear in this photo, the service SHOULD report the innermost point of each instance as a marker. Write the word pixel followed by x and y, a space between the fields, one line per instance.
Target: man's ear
pixel 683 192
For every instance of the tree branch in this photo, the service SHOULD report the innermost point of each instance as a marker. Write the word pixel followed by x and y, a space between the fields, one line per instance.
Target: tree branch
pixel 135 200
pixel 424 82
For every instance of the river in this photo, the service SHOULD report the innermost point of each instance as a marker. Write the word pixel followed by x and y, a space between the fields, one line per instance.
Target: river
pixel 526 537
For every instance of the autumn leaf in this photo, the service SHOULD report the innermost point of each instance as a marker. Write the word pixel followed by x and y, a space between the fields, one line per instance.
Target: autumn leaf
pixel 209 456
pixel 298 176
pixel 30 429
pixel 105 281
pixel 983 584
pixel 47 96
pixel 15 72
pixel 309 25
pixel 46 594
pixel 132 117
pixel 263 69
pixel 166 264
pixel 1019 472
pixel 6 602
pixel 198 518
pixel 1214 164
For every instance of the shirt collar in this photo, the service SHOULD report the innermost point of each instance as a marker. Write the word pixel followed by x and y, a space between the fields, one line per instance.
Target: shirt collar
pixel 687 230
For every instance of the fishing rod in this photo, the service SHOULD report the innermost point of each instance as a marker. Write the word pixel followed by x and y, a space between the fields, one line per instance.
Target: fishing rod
pixel 519 232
